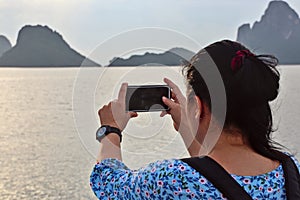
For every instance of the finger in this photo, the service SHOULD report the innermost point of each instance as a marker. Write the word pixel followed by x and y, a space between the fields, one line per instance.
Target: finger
pixel 171 104
pixel 101 109
pixel 175 89
pixel 163 113
pixel 133 114
pixel 174 97
pixel 122 92
pixel 172 85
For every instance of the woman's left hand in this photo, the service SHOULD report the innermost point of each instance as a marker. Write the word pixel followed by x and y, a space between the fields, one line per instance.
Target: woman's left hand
pixel 114 113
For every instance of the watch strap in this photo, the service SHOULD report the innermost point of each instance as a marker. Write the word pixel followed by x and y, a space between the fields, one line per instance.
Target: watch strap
pixel 110 129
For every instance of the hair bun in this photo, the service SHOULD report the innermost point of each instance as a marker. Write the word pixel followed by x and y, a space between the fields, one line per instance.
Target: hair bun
pixel 257 81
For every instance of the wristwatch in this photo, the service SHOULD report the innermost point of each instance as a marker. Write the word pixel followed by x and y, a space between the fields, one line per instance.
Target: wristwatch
pixel 105 130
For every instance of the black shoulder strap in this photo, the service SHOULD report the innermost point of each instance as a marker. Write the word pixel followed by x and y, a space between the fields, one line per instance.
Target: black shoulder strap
pixel 291 175
pixel 218 176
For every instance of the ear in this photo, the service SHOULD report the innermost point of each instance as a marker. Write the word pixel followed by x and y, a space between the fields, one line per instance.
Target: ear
pixel 199 107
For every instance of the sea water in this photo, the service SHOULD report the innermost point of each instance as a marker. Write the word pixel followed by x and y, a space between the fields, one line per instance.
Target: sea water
pixel 48 119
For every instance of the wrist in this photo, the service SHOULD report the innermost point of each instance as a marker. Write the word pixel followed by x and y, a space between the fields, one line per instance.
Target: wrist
pixel 107 130
pixel 112 138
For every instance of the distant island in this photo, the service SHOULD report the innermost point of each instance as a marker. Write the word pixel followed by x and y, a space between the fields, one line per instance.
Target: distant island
pixel 40 46
pixel 5 44
pixel 277 33
pixel 173 57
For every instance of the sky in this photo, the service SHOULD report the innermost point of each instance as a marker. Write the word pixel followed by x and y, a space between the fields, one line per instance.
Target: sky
pixel 86 24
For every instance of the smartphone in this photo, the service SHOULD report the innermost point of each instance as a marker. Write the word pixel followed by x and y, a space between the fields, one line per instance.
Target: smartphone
pixel 146 98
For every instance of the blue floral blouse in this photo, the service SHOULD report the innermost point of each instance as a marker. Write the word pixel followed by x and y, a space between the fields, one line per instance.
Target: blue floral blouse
pixel 174 179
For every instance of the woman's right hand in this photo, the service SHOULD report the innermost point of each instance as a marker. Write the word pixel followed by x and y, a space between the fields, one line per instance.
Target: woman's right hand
pixel 177 107
pixel 178 112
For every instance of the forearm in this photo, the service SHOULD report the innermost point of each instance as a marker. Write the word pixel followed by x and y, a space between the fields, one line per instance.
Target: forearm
pixel 110 147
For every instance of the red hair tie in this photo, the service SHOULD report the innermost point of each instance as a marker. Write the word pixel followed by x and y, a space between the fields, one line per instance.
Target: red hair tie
pixel 238 61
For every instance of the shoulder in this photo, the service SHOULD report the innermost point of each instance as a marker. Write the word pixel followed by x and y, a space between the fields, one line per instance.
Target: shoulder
pixel 171 168
pixel 177 179
pixel 167 169
pixel 170 164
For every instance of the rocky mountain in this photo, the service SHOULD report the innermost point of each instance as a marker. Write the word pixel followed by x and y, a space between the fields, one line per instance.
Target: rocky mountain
pixel 40 46
pixel 172 57
pixel 277 33
pixel 5 44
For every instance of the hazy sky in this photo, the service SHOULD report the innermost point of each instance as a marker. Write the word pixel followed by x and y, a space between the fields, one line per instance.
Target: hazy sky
pixel 86 23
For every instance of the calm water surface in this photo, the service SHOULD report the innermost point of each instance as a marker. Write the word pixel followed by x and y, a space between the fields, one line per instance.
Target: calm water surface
pixel 43 156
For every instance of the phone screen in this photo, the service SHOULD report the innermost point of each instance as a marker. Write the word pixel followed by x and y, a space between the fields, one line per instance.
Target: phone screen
pixel 146 98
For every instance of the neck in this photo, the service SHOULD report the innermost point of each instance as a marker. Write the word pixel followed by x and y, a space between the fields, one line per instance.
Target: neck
pixel 231 144
pixel 235 154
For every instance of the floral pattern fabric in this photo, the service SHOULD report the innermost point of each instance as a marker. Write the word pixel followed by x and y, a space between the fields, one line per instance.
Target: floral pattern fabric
pixel 174 179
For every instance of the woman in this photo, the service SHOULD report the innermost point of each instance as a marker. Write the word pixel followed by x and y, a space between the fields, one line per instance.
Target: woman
pixel 244 148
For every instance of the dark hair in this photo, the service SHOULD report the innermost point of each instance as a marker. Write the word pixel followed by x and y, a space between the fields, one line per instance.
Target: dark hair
pixel 248 90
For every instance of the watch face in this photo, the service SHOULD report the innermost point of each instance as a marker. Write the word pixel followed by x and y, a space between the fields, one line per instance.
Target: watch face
pixel 101 132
